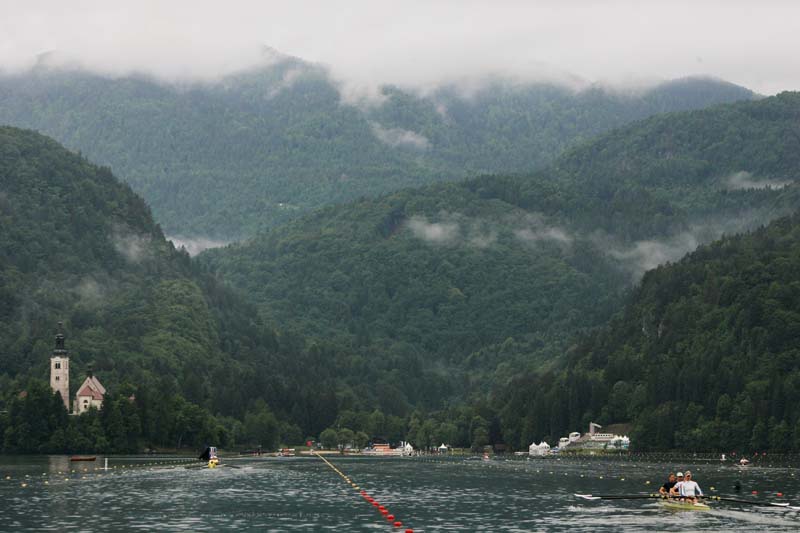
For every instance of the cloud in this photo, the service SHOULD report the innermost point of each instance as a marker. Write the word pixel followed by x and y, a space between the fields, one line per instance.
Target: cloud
pixel 396 137
pixel 90 290
pixel 289 78
pixel 135 248
pixel 648 254
pixel 535 230
pixel 434 232
pixel 482 238
pixel 644 255
pixel 545 234
pixel 458 229
pixel 744 180
pixel 93 293
pixel 195 245
pixel 418 43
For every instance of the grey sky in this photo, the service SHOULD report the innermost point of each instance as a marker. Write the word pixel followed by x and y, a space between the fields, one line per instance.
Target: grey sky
pixel 419 44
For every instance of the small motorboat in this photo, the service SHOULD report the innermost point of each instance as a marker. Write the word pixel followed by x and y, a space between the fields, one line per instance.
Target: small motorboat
pixel 83 458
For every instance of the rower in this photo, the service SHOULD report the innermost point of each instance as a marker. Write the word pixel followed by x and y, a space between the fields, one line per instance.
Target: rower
pixel 213 460
pixel 206 455
pixel 676 488
pixel 689 488
pixel 665 489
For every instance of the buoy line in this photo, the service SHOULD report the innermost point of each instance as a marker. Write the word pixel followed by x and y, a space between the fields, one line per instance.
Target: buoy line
pixel 369 499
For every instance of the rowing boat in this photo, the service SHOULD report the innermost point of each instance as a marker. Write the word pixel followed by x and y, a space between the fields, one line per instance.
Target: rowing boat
pixel 677 505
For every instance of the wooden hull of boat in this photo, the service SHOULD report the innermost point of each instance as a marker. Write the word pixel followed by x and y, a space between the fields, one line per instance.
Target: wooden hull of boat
pixel 82 458
pixel 684 506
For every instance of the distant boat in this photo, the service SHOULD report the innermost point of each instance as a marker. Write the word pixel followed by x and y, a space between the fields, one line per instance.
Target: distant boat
pixel 82 458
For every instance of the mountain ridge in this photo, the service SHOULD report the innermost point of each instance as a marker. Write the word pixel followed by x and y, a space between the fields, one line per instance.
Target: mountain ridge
pixel 271 143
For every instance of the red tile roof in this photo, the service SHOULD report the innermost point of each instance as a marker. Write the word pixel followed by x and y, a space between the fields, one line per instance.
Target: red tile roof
pixel 88 390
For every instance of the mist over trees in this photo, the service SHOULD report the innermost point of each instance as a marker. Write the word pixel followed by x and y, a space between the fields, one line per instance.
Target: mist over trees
pixel 474 313
pixel 223 160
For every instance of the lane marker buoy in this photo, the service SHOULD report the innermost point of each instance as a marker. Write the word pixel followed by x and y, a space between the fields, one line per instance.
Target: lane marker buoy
pixel 369 499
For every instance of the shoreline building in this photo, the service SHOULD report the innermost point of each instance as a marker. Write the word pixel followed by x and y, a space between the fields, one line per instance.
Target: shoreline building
pixel 90 393
pixel 539 450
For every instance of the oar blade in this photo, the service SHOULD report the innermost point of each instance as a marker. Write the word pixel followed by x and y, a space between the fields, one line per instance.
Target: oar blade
pixel 588 497
pixel 783 505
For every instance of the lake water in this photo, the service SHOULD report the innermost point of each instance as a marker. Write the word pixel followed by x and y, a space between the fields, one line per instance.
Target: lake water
pixel 425 494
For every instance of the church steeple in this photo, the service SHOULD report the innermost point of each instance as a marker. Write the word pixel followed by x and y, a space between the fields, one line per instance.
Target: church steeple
pixel 59 368
pixel 60 349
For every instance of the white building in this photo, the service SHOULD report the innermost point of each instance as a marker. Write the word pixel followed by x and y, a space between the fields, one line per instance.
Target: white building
pixel 90 394
pixel 538 450
pixel 621 442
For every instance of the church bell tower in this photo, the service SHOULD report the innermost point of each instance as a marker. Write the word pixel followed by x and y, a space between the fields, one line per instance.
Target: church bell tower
pixel 59 368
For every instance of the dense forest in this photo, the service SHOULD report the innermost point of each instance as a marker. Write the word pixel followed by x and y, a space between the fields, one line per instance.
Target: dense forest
pixel 465 313
pixel 186 360
pixel 484 279
pixel 222 160
pixel 703 357
pixel 78 246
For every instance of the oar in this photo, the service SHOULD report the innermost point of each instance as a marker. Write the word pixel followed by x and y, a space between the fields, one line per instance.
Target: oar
pixel 619 496
pixel 748 502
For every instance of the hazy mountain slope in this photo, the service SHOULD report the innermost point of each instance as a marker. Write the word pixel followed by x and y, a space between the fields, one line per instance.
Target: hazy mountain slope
pixel 78 246
pixel 703 357
pixel 222 160
pixel 451 272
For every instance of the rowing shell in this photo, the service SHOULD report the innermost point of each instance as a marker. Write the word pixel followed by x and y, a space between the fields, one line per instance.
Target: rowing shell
pixel 676 505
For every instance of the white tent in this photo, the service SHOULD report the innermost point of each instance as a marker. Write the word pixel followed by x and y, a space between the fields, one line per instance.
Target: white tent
pixel 539 449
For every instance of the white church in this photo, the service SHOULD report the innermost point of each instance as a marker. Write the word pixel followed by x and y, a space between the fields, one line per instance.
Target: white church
pixel 90 393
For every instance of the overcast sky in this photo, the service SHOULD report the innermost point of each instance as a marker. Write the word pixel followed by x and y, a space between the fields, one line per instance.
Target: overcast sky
pixel 410 43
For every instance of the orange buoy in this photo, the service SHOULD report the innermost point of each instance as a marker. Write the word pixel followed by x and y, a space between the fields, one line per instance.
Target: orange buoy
pixel 384 511
pixel 780 495
pixel 398 524
pixel 754 492
pixel 390 517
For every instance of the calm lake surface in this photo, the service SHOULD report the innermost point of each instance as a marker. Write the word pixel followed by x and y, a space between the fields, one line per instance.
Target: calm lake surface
pixel 426 494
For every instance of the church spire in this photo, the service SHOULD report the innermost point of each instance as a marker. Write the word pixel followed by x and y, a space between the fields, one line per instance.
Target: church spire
pixel 60 350
pixel 59 368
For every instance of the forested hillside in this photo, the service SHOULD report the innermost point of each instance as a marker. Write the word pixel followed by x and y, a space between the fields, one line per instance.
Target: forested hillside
pixel 78 246
pixel 489 277
pixel 411 315
pixel 704 356
pixel 222 160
